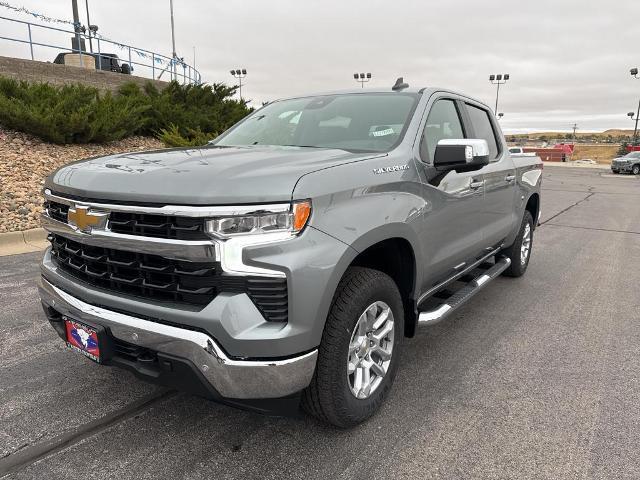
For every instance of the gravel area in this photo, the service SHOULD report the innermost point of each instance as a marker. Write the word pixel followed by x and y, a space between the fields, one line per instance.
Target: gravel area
pixel 26 160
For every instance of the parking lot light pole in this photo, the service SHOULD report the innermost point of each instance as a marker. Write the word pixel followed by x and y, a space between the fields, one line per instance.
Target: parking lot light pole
pixel 634 74
pixel 499 79
pixel 174 55
pixel 631 115
pixel 239 73
pixel 362 78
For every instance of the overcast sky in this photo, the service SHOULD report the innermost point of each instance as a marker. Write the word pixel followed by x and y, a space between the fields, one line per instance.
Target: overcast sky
pixel 569 60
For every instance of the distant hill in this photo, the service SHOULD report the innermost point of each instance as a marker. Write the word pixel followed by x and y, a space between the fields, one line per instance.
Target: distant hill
pixel 613 132
pixel 614 135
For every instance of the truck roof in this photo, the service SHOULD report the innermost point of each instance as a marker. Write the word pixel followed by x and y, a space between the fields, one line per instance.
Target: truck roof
pixel 416 90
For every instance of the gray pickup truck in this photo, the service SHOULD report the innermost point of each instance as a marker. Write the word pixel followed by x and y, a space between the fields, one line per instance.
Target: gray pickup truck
pixel 284 263
pixel 629 163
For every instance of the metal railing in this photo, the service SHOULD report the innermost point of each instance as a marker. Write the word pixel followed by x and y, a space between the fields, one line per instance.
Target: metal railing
pixel 153 64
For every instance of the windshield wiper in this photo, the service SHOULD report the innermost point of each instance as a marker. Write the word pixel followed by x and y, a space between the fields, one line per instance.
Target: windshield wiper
pixel 307 146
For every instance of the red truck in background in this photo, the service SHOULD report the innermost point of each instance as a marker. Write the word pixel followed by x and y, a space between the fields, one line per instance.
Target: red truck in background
pixel 560 152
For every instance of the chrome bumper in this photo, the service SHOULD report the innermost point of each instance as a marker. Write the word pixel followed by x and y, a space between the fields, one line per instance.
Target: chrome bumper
pixel 234 379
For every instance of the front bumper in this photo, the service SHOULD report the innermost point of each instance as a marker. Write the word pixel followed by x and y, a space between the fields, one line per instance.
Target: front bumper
pixel 621 167
pixel 231 378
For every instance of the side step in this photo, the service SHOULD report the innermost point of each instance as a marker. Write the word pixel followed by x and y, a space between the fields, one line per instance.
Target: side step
pixel 459 298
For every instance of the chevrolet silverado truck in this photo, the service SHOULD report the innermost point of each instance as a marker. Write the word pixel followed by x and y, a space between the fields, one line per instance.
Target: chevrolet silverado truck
pixel 283 264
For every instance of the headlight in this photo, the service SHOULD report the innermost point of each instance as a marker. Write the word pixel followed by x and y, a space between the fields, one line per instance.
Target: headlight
pixel 262 221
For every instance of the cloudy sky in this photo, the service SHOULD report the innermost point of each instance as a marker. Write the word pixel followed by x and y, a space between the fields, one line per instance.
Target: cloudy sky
pixel 569 60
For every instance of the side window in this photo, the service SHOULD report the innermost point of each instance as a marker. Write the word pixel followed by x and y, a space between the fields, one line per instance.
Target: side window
pixel 443 122
pixel 483 128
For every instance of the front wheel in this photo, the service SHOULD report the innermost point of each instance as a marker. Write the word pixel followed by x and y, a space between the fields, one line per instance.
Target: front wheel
pixel 520 252
pixel 359 353
pixel 636 170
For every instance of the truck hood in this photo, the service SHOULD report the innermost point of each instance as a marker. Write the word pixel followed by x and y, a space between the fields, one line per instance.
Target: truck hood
pixel 197 176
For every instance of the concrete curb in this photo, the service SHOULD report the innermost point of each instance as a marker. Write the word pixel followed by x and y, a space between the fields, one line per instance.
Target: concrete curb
pixel 577 165
pixel 13 243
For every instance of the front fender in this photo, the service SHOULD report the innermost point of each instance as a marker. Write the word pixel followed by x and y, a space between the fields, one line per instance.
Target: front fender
pixel 360 207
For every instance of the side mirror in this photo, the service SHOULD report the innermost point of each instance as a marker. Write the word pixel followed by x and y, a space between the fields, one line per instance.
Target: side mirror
pixel 461 155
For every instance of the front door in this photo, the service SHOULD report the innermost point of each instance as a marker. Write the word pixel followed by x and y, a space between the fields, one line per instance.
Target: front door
pixel 452 231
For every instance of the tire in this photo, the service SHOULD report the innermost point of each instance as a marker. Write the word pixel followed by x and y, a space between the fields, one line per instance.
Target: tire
pixel 519 261
pixel 636 169
pixel 331 397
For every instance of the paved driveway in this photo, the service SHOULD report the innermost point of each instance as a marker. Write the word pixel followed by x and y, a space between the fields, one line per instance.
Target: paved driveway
pixel 536 377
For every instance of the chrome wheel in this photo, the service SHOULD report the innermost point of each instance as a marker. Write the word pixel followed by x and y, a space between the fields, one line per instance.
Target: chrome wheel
pixel 370 350
pixel 525 248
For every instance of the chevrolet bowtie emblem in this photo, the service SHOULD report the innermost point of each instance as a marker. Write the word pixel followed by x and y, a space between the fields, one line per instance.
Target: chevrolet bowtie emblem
pixel 84 220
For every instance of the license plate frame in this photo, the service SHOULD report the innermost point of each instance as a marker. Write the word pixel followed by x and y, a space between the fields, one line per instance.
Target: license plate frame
pixel 88 340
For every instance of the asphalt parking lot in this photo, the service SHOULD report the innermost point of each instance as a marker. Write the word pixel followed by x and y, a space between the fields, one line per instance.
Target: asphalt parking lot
pixel 537 377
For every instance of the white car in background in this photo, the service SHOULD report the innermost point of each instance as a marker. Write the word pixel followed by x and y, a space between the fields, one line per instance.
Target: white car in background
pixel 519 152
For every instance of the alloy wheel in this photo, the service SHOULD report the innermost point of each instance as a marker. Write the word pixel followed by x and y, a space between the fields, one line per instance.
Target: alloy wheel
pixel 370 350
pixel 525 248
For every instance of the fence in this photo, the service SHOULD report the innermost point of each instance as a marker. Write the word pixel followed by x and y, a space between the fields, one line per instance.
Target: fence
pixel 151 63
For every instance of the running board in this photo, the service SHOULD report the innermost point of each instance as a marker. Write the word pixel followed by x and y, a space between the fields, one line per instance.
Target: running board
pixel 455 301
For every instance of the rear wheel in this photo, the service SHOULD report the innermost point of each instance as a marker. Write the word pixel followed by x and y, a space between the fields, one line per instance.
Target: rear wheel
pixel 359 353
pixel 636 169
pixel 520 252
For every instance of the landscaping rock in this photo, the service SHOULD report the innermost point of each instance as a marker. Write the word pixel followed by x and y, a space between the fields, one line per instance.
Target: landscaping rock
pixel 24 163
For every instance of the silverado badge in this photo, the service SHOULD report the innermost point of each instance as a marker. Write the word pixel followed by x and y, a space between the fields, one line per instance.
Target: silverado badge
pixel 395 168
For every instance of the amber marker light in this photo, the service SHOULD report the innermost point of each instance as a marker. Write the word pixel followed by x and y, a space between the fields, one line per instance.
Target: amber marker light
pixel 301 214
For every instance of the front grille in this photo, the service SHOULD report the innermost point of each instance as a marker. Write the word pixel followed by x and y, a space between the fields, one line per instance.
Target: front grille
pixel 159 226
pixel 138 274
pixel 57 211
pixel 158 278
pixel 146 225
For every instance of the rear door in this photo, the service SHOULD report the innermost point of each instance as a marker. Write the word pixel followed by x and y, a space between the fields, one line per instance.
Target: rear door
pixel 498 212
pixel 453 222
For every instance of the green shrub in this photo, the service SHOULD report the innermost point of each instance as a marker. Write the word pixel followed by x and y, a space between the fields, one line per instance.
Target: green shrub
pixel 68 114
pixel 180 115
pixel 172 137
pixel 622 151
pixel 189 108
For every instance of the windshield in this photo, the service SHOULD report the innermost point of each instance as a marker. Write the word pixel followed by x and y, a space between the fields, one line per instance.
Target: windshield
pixel 633 155
pixel 355 122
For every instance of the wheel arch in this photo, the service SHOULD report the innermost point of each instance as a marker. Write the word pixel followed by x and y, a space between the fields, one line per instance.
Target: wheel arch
pixel 533 207
pixel 398 257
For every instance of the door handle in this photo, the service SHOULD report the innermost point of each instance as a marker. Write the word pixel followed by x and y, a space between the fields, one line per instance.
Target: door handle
pixel 476 184
pixel 509 178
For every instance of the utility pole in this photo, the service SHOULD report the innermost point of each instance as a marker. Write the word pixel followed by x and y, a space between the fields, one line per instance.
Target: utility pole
pixel 86 2
pixel 173 41
pixel 575 127
pixel 77 29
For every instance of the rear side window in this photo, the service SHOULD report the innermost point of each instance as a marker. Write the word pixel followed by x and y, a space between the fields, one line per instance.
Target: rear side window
pixel 443 122
pixel 483 128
